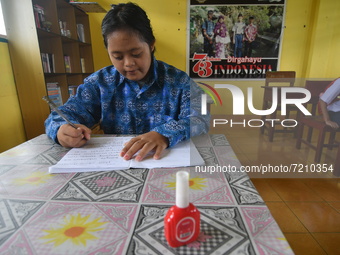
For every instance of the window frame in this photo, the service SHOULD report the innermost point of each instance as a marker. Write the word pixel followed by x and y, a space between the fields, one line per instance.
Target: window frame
pixel 2 21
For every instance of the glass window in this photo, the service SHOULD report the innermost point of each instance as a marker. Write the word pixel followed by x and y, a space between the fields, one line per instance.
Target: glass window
pixel 2 23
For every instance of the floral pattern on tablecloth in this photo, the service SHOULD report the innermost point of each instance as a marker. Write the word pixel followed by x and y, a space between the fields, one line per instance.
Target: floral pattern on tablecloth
pixel 122 212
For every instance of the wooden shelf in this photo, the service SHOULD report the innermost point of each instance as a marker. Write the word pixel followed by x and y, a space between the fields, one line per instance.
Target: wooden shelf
pixel 89 7
pixel 29 37
pixel 64 42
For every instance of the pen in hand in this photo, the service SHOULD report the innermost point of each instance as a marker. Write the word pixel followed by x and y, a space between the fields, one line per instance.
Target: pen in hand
pixel 85 136
pixel 55 108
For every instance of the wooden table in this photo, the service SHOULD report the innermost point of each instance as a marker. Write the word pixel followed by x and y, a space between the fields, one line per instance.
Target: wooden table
pixel 121 212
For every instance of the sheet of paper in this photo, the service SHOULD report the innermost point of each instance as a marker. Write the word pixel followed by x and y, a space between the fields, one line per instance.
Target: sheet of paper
pixel 102 154
pixel 99 154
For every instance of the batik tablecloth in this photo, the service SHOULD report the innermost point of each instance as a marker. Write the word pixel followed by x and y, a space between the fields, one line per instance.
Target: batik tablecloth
pixel 122 212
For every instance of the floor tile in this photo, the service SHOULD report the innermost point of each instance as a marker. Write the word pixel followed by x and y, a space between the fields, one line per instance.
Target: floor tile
pixel 296 203
pixel 286 219
pixel 293 190
pixel 236 149
pixel 304 244
pixel 328 189
pixel 316 216
pixel 243 159
pixel 329 242
pixel 266 191
pixel 335 205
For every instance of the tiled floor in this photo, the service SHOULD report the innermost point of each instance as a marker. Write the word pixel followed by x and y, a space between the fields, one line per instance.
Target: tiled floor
pixel 307 209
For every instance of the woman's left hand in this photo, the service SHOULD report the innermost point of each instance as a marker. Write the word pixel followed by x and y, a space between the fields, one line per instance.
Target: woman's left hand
pixel 144 144
pixel 332 124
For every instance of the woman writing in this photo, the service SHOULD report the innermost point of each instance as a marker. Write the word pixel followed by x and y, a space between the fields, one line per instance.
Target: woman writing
pixel 136 95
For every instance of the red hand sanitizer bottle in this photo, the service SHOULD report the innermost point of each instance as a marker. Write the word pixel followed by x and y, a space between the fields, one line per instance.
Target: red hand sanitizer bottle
pixel 182 221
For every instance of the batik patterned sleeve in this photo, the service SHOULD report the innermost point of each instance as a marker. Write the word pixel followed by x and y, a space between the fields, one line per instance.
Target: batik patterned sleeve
pixel 190 122
pixel 83 108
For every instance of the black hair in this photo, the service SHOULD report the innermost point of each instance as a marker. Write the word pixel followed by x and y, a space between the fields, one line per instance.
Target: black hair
pixel 129 17
pixel 240 15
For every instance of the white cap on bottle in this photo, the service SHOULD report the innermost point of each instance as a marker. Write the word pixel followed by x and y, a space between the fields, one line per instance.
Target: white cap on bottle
pixel 182 189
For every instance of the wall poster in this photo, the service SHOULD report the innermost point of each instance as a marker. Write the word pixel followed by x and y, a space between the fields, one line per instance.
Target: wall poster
pixel 234 39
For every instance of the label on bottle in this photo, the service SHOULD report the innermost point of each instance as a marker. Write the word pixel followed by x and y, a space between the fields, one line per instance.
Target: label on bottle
pixel 185 229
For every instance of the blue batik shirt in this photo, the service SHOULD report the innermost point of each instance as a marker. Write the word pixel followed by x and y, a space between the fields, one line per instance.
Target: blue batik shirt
pixel 169 102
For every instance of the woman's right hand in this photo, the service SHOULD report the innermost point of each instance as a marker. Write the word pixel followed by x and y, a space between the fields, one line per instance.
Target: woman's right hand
pixel 70 137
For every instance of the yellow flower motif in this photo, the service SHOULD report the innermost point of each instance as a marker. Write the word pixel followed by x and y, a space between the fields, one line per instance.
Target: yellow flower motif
pixel 195 183
pixel 75 229
pixel 35 178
